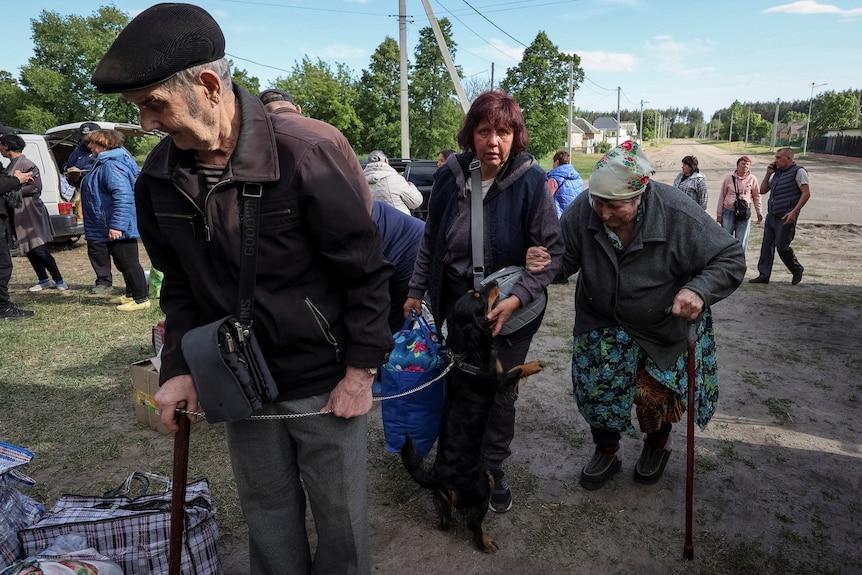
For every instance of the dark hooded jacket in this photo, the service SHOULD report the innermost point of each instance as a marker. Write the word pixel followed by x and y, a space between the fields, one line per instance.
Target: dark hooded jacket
pixel 519 213
pixel 321 297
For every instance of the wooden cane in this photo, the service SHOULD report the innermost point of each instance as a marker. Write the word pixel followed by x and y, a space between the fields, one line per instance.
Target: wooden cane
pixel 178 497
pixel 688 549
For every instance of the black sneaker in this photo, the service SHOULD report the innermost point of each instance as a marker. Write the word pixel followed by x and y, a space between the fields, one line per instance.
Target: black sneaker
pixel 759 280
pixel 601 467
pixel 501 495
pixel 12 311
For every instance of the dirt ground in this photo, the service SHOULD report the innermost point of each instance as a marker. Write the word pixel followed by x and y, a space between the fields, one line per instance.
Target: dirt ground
pixel 778 470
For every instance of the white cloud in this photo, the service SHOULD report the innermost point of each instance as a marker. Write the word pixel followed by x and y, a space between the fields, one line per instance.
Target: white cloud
pixel 669 55
pixel 812 7
pixel 607 61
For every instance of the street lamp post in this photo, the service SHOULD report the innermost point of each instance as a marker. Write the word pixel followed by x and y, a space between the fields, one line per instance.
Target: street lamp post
pixel 808 123
pixel 641 128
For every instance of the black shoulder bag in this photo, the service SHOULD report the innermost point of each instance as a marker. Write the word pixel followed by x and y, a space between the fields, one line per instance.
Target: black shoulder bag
pixel 229 370
pixel 741 209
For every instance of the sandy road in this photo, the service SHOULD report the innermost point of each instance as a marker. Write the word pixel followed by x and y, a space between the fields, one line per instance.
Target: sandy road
pixel 836 187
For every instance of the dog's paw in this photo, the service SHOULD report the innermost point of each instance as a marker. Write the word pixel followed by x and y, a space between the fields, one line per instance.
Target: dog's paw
pixel 488 545
pixel 527 369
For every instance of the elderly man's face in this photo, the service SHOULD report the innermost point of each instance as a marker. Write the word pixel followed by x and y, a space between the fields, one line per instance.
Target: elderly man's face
pixel 190 121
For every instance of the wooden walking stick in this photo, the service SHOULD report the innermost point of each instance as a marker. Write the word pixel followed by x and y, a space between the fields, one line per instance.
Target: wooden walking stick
pixel 178 497
pixel 688 549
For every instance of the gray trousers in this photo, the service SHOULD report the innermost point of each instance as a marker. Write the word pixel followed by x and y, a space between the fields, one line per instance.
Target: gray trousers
pixel 277 463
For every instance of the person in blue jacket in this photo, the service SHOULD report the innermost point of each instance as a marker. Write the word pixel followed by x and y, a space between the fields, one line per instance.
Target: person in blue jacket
pixel 565 181
pixel 565 184
pixel 108 195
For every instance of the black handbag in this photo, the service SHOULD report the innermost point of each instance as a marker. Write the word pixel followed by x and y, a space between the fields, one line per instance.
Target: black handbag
pixel 229 370
pixel 741 209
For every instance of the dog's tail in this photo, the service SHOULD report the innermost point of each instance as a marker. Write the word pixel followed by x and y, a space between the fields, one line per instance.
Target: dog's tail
pixel 412 461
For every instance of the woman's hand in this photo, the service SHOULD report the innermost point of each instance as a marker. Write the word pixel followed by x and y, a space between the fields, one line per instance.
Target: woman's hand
pixel 537 258
pixel 502 311
pixel 687 305
pixel 412 304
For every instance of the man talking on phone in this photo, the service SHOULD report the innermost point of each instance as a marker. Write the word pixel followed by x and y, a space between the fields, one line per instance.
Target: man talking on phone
pixel 788 182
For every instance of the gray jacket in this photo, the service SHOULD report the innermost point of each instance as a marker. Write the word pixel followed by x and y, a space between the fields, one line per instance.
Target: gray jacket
pixel 676 245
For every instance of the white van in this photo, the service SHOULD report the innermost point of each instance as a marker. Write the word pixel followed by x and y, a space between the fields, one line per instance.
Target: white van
pixel 52 150
pixel 67 227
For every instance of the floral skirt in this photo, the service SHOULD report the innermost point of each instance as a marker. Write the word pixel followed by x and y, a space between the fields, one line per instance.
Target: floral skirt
pixel 604 375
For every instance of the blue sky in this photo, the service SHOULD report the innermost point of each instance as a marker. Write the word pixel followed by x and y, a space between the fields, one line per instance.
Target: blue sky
pixel 668 53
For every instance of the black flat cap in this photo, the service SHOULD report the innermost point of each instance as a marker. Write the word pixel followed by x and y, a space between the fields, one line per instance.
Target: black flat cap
pixel 159 42
pixel 274 95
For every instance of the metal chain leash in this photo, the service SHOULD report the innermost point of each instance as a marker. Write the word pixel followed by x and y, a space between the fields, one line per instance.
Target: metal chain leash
pixel 416 389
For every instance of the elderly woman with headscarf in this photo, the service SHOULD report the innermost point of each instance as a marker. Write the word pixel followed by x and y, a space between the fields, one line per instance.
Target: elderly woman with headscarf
pixel 518 216
pixel 650 261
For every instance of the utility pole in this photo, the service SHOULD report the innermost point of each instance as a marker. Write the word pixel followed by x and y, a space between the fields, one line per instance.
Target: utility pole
pixel 808 123
pixel 447 57
pixel 571 102
pixel 405 98
pixel 619 91
pixel 492 76
pixel 775 125
pixel 641 128
pixel 747 123
pixel 730 133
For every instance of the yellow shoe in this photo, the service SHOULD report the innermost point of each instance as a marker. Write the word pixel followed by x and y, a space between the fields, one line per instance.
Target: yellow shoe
pixel 132 306
pixel 121 299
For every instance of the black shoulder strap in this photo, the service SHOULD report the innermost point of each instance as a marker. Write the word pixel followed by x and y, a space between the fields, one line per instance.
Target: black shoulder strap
pixel 477 217
pixel 249 215
pixel 733 176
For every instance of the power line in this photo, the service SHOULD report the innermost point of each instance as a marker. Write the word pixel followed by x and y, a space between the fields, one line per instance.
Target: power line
pixel 474 32
pixel 494 25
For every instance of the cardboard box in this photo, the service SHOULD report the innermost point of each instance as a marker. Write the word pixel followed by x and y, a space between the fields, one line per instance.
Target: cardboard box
pixel 145 384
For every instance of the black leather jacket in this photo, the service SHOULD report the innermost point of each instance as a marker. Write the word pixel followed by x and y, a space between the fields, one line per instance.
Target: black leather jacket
pixel 321 297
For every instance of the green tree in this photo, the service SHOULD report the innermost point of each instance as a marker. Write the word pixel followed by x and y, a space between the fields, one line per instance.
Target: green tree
pixel 324 94
pixel 378 101
pixel 435 116
pixel 11 99
pixel 242 77
pixel 57 77
pixel 540 84
pixel 832 110
pixel 649 124
pixel 794 116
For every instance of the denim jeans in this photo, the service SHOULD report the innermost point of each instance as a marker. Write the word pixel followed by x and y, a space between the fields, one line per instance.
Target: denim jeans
pixel 738 229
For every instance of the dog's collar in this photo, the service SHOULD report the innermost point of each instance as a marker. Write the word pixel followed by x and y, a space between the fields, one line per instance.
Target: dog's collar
pixel 458 362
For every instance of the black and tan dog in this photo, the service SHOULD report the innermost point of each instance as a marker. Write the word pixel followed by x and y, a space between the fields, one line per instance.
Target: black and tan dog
pixel 460 479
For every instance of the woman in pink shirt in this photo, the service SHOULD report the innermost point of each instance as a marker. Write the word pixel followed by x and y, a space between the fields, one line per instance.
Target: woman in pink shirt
pixel 746 182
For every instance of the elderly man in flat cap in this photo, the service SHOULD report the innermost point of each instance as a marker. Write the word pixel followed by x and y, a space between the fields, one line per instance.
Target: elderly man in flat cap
pixel 320 298
pixel 650 261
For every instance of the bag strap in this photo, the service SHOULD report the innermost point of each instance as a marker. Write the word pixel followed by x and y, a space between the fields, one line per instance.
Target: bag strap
pixel 733 177
pixel 249 216
pixel 477 223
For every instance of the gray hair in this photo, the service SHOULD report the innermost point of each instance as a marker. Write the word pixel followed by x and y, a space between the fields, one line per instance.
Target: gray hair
pixel 183 81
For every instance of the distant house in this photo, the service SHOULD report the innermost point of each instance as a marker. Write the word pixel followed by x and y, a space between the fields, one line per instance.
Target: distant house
pixel 576 137
pixel 790 130
pixel 630 128
pixel 614 133
pixel 843 132
pixel 591 135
